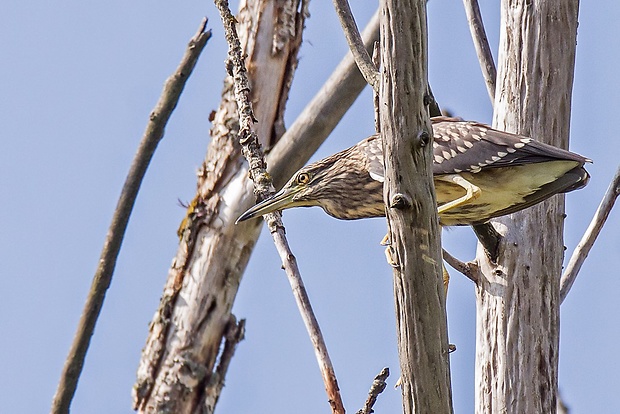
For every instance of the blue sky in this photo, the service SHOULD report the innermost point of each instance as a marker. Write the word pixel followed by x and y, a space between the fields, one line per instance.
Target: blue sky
pixel 78 80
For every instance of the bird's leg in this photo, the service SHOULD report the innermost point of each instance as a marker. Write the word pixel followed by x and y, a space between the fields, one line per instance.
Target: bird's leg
pixel 472 192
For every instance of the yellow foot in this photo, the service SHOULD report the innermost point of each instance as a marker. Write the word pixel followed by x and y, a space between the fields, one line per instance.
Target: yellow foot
pixel 446 279
pixel 472 192
pixel 385 241
pixel 389 256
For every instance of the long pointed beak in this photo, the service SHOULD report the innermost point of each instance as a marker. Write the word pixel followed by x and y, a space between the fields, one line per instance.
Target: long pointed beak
pixel 279 201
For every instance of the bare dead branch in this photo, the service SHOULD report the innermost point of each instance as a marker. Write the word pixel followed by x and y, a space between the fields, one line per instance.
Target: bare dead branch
pixel 289 263
pixel 489 238
pixel 321 115
pixel 263 188
pixel 589 237
pixel 235 333
pixel 481 43
pixel 469 269
pixel 103 276
pixel 352 34
pixel 377 387
pixel 204 243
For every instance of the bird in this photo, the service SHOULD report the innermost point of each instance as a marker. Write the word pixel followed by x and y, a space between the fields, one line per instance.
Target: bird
pixel 479 173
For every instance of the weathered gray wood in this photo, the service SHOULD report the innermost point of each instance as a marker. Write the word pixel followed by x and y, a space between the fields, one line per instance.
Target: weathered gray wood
pixel 194 313
pixel 412 216
pixel 518 298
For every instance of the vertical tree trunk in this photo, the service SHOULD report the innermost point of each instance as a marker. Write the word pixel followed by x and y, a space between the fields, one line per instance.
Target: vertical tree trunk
pixel 518 298
pixel 412 214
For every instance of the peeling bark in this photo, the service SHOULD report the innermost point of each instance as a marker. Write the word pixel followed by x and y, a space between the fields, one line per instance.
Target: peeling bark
pixel 518 298
pixel 194 313
pixel 191 321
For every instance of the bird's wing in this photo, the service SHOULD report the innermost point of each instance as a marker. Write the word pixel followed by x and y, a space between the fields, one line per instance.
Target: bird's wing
pixel 470 146
pixel 372 148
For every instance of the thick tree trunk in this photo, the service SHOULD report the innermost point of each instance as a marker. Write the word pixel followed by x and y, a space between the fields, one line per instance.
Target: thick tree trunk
pixel 518 298
pixel 412 214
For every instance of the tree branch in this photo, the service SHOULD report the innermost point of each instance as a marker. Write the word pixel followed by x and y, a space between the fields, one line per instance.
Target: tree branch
pixel 321 114
pixel 589 237
pixel 481 43
pixel 263 188
pixel 489 238
pixel 352 34
pixel 469 269
pixel 517 298
pixel 210 260
pixel 103 276
pixel 377 387
pixel 235 333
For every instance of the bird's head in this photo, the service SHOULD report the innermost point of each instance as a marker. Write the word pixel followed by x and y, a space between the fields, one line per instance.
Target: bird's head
pixel 340 184
pixel 299 191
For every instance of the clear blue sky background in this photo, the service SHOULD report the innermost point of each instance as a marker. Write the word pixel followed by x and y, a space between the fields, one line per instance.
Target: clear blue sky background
pixel 77 83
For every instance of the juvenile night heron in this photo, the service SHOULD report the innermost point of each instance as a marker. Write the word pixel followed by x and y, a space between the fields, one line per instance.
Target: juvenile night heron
pixel 479 173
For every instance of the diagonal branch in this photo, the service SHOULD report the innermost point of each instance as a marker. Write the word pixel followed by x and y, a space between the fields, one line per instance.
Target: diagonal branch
pixel 235 333
pixel 589 237
pixel 469 269
pixel 481 43
pixel 263 188
pixel 321 114
pixel 103 276
pixel 352 34
pixel 377 387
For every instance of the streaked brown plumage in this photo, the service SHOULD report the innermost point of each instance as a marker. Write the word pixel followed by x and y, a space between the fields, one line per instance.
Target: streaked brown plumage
pixel 479 173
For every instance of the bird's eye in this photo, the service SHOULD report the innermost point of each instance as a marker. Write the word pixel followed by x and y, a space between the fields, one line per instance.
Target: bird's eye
pixel 303 178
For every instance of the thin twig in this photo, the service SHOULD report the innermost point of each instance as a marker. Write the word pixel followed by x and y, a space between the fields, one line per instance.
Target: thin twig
pixel 263 188
pixel 377 387
pixel 489 238
pixel 103 276
pixel 469 269
pixel 589 237
pixel 481 43
pixel 352 34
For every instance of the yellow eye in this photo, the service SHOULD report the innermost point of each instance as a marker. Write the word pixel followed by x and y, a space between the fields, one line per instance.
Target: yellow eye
pixel 303 178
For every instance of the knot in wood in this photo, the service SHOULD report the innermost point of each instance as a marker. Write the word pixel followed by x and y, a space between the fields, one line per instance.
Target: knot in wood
pixel 423 138
pixel 427 99
pixel 400 201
